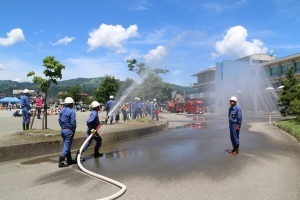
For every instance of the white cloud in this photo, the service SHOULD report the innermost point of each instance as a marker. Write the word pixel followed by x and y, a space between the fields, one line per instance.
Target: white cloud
pixel 155 55
pixel 2 67
pixel 17 79
pixel 14 36
pixel 66 40
pixel 111 37
pixel 235 44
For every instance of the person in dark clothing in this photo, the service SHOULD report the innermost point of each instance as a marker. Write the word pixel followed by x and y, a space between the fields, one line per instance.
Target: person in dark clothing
pixel 25 105
pixel 92 123
pixel 67 122
pixel 235 122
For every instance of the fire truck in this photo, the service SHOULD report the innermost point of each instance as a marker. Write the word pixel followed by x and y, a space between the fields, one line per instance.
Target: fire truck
pixel 171 106
pixel 179 107
pixel 175 106
pixel 194 107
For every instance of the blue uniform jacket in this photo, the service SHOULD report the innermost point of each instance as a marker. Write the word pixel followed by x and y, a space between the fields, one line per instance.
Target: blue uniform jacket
pixel 93 121
pixel 109 104
pixel 235 114
pixel 139 105
pixel 67 119
pixel 25 102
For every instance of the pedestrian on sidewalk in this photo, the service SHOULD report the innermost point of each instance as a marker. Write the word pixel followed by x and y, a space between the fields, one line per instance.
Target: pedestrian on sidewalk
pixel 235 122
pixel 92 123
pixel 67 122
pixel 25 105
pixel 39 105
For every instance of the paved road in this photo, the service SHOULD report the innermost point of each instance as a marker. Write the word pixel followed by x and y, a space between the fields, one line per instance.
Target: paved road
pixel 183 162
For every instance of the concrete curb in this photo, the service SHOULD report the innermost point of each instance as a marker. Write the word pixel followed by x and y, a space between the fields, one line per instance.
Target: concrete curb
pixel 42 148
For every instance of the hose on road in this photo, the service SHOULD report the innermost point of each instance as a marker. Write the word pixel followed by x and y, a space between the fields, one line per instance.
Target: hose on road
pixel 120 185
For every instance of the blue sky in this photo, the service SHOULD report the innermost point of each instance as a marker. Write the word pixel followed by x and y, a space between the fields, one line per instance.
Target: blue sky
pixel 95 37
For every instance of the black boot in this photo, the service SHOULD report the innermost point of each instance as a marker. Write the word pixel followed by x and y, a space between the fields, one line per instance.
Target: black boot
pixel 236 149
pixel 233 150
pixel 62 162
pixel 27 126
pixel 111 121
pixel 69 159
pixel 23 126
pixel 96 152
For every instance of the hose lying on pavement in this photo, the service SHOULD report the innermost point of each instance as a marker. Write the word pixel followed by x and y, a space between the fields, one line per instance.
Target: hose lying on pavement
pixel 122 186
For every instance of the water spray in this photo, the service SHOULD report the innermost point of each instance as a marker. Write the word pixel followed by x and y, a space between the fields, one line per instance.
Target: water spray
pixel 120 185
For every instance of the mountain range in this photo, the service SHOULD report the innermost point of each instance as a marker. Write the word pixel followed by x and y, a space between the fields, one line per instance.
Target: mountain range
pixel 88 86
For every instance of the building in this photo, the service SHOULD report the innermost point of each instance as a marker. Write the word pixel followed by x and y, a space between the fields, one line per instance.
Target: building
pixel 276 69
pixel 253 79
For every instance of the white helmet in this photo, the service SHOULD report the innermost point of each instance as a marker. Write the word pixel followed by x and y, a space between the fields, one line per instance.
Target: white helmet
pixel 136 98
pixel 233 98
pixel 69 100
pixel 26 91
pixel 95 104
pixel 154 100
pixel 111 96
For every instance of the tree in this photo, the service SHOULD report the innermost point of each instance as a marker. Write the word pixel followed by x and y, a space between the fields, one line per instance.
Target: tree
pixel 152 85
pixel 166 92
pixel 52 72
pixel 289 92
pixel 108 86
pixel 75 93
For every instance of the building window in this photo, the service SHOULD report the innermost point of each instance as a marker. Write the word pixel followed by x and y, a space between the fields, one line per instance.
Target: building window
pixel 285 68
pixel 267 72
pixel 274 71
pixel 297 64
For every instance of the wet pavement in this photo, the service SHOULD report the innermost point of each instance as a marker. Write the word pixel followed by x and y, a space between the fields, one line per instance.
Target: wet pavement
pixel 189 160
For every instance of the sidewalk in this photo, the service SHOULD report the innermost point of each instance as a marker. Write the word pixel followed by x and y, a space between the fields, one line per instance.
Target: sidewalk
pixel 16 144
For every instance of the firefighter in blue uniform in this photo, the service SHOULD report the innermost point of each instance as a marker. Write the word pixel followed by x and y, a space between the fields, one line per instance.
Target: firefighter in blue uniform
pixel 134 108
pixel 92 123
pixel 67 122
pixel 235 121
pixel 25 105
pixel 154 110
pixel 109 106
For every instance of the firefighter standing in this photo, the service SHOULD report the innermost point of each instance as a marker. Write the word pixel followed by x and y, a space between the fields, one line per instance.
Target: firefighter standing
pixel 155 109
pixel 67 122
pixel 92 123
pixel 25 106
pixel 109 106
pixel 235 121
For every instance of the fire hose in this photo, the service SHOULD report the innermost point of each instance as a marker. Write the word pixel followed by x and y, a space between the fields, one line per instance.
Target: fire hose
pixel 120 185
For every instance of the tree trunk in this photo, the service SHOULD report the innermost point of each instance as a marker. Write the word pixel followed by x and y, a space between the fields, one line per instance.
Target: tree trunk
pixel 33 118
pixel 45 109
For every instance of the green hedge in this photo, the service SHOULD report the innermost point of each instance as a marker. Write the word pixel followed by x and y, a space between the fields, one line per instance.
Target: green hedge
pixel 292 126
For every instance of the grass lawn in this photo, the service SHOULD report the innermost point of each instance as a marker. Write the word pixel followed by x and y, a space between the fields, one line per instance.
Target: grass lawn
pixel 292 126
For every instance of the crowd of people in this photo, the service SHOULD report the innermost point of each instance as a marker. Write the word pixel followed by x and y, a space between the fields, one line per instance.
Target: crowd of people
pixel 67 121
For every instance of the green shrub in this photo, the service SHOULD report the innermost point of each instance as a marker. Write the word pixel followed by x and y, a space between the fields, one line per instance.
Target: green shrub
pixel 292 126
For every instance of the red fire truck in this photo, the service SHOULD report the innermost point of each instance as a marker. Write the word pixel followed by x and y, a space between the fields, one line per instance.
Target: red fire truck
pixel 179 107
pixel 171 106
pixel 194 107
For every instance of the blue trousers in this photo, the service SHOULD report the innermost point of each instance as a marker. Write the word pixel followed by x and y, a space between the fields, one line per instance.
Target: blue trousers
pixel 97 138
pixel 25 116
pixel 234 134
pixel 67 136
pixel 154 113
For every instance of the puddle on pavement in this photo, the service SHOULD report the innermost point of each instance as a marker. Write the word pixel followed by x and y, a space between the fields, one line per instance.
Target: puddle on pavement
pixel 192 125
